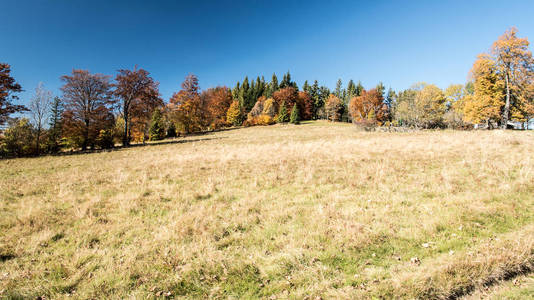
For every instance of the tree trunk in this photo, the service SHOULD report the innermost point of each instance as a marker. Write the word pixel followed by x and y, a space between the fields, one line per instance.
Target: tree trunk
pixel 85 135
pixel 506 112
pixel 38 149
pixel 126 137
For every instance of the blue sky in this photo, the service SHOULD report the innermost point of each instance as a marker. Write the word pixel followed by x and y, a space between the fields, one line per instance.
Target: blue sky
pixel 396 42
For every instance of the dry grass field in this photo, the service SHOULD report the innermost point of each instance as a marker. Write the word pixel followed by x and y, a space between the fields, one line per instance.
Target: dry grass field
pixel 314 211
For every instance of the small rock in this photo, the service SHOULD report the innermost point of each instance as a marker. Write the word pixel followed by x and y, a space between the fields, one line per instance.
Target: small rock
pixel 425 245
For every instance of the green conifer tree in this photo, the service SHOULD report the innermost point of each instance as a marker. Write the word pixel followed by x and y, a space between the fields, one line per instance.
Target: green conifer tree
pixel 338 91
pixel 55 123
pixel 274 84
pixel 359 89
pixel 294 118
pixel 306 87
pixel 283 116
pixel 157 129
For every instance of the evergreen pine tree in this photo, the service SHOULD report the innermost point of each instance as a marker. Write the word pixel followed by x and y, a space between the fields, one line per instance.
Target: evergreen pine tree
pixel 157 128
pixel 314 93
pixel 294 118
pixel 274 84
pixel 286 82
pixel 351 89
pixel 338 91
pixel 380 88
pixel 306 87
pixel 259 89
pixel 55 123
pixel 250 99
pixel 359 88
pixel 244 93
pixel 236 90
pixel 283 116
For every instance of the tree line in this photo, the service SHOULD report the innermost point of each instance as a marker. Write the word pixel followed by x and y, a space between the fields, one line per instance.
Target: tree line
pixel 96 111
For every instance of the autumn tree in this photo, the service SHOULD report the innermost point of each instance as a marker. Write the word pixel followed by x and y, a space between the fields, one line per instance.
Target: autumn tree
pixel 8 89
pixel 369 107
pixel 333 108
pixel 429 106
pixel 422 106
pixel 485 106
pixel 287 95
pixel 186 106
pixel 39 109
pixel 216 101
pixel 305 105
pixel 455 95
pixel 87 98
pixel 404 113
pixel 234 115
pixel 515 66
pixel 18 138
pixel 269 108
pixel 503 81
pixel 257 110
pixel 139 96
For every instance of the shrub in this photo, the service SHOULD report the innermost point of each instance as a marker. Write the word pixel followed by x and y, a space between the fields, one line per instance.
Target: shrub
pixel 18 139
pixel 171 130
pixel 104 140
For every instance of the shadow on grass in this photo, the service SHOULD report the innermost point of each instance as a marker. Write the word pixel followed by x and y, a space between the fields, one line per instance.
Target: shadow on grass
pixel 168 141
pixel 151 144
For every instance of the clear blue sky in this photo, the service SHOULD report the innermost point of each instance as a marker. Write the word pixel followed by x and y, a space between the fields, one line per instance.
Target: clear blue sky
pixel 396 42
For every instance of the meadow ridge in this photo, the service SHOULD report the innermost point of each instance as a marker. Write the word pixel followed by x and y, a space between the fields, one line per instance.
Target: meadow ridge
pixel 310 211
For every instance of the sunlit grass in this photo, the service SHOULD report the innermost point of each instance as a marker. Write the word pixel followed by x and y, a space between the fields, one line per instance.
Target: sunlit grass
pixel 318 209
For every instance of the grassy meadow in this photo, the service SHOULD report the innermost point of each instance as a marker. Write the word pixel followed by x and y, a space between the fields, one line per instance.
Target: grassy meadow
pixel 314 211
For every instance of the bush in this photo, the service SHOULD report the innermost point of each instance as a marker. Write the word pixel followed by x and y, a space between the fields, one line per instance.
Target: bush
pixel 171 130
pixel 104 140
pixel 18 139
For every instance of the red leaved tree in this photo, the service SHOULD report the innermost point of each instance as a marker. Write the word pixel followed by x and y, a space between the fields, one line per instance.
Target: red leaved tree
pixel 87 100
pixel 186 107
pixel 139 97
pixel 369 107
pixel 216 103
pixel 305 105
pixel 8 87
